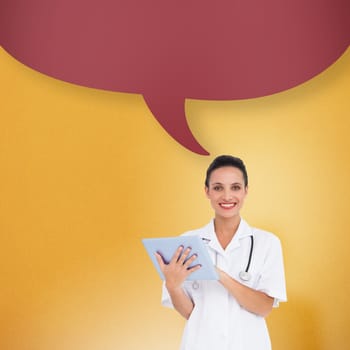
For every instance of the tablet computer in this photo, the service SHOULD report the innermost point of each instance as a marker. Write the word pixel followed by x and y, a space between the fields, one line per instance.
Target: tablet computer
pixel 167 246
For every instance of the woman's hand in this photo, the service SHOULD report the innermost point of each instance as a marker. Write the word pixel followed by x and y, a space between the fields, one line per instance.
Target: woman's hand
pixel 251 299
pixel 175 273
pixel 178 269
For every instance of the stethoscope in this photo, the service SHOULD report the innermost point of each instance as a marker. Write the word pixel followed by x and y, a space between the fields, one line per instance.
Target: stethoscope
pixel 244 275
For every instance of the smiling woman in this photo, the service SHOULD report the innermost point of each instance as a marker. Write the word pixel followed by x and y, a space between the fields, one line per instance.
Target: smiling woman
pixel 226 186
pixel 224 314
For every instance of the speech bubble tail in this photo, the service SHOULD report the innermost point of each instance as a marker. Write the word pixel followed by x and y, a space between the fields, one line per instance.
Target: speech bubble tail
pixel 171 116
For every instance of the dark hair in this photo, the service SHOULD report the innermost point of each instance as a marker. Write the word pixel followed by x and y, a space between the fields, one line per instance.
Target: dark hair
pixel 223 161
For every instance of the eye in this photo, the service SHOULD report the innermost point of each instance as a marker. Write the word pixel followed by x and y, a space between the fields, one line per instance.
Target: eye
pixel 217 188
pixel 236 187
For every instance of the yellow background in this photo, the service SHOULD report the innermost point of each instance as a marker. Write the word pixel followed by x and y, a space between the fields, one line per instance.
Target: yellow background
pixel 85 174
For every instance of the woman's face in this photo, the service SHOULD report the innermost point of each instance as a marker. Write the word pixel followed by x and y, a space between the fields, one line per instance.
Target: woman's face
pixel 226 191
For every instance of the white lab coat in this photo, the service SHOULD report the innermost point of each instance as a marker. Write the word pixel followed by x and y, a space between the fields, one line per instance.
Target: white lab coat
pixel 217 320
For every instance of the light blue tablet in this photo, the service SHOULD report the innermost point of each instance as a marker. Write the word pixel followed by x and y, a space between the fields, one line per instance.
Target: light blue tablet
pixel 167 247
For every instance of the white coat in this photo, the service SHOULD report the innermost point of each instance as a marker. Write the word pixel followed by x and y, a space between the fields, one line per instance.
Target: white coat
pixel 217 320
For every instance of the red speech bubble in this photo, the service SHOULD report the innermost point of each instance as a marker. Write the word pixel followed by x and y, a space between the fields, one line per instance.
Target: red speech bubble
pixel 172 50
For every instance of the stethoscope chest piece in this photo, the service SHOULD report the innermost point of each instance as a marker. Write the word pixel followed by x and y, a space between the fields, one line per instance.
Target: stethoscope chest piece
pixel 244 276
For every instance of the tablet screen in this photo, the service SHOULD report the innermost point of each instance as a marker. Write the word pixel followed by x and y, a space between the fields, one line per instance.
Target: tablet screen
pixel 167 246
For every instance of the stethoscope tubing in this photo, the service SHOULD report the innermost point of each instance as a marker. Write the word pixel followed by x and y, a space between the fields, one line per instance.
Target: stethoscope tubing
pixel 244 275
pixel 250 253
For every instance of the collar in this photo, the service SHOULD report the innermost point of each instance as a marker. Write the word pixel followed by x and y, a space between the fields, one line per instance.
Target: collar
pixel 209 236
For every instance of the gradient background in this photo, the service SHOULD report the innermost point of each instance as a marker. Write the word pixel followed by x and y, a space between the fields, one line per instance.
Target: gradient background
pixel 85 174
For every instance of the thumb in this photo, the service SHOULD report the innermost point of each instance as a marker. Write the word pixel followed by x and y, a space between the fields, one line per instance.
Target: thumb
pixel 159 259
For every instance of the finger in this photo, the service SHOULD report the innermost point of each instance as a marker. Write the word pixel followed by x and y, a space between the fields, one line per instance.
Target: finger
pixel 159 259
pixel 177 254
pixel 184 255
pixel 190 260
pixel 193 268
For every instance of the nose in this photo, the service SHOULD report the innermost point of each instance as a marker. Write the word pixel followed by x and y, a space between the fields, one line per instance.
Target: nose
pixel 228 195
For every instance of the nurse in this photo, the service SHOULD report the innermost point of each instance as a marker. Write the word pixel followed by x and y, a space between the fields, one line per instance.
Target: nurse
pixel 228 314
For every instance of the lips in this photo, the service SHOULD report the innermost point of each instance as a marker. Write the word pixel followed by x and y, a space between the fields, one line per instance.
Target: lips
pixel 227 206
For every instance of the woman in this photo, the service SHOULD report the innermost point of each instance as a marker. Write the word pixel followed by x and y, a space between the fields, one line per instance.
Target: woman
pixel 228 314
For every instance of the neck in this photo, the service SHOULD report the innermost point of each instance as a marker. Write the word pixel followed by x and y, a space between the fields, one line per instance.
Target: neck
pixel 225 229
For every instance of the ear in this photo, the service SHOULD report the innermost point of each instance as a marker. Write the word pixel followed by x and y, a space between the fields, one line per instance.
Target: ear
pixel 206 190
pixel 246 190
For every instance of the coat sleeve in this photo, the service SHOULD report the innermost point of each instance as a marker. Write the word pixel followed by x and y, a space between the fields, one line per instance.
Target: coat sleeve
pixel 272 278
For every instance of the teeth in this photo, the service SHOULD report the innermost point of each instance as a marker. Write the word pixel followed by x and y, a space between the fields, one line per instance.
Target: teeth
pixel 230 205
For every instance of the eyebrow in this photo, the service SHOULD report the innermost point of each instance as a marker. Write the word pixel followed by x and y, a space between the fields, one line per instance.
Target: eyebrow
pixel 219 183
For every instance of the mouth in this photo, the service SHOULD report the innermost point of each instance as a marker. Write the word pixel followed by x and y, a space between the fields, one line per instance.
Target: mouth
pixel 228 206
